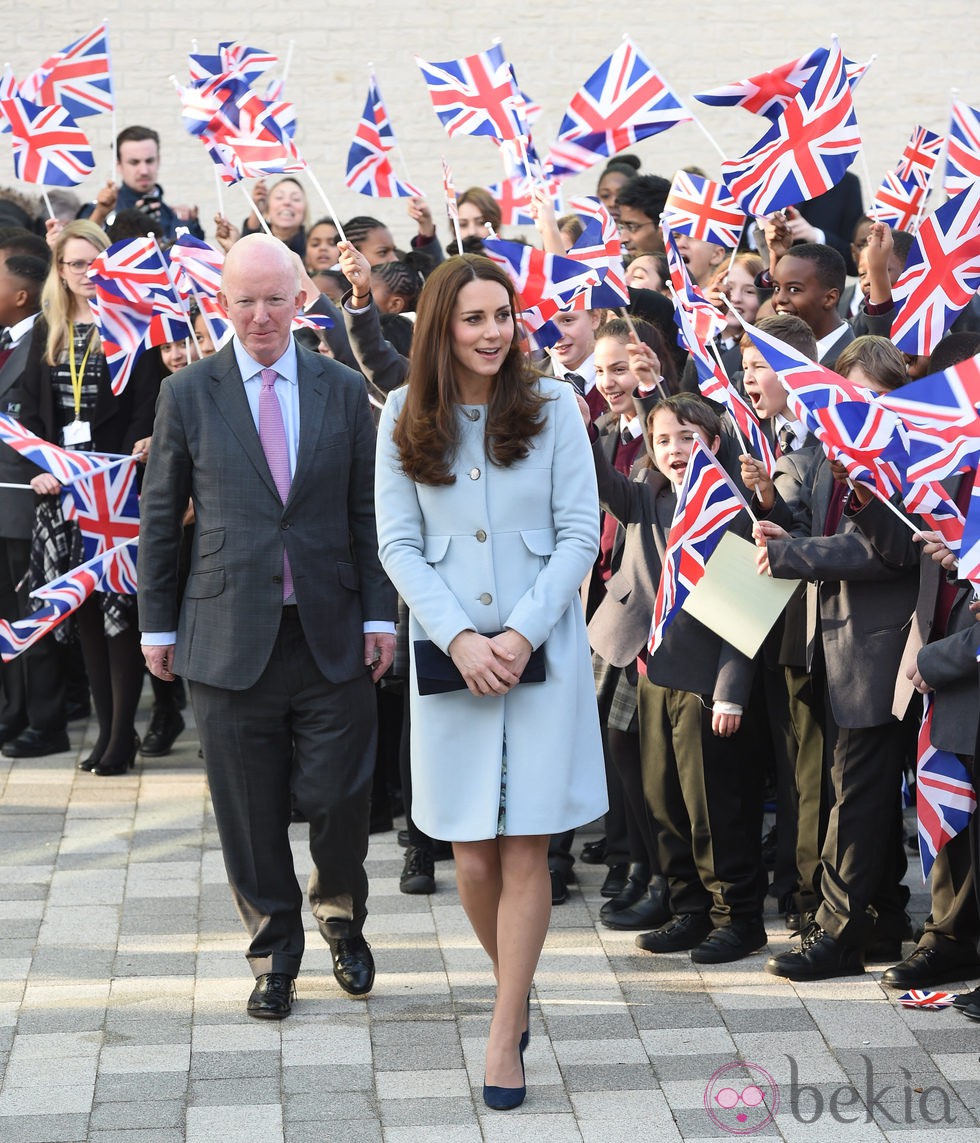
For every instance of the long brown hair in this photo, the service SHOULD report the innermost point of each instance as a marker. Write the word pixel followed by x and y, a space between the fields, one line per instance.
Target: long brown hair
pixel 427 431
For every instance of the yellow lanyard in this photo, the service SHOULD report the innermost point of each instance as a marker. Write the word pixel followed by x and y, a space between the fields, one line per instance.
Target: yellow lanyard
pixel 79 377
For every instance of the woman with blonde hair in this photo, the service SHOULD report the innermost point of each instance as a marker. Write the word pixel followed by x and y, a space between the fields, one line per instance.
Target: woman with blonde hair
pixel 68 400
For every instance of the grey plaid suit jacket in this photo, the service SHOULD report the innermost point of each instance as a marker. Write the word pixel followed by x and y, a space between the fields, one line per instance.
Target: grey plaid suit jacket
pixel 205 446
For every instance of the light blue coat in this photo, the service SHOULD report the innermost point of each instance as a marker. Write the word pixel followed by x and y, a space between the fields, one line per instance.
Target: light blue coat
pixel 501 547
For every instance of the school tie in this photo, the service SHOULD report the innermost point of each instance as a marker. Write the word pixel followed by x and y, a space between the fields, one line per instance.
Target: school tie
pixel 785 438
pixel 272 436
pixel 577 382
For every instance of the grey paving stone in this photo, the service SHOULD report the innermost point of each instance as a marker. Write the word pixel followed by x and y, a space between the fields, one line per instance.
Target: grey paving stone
pixel 139 1114
pixel 425 1112
pixel 241 1091
pixel 398 1045
pixel 135 1135
pixel 52 964
pixel 154 964
pixel 232 1065
pixel 43 1128
pixel 354 1131
pixel 773 1019
pixel 607 1077
pixel 301 1080
pixel 695 1067
pixel 34 1021
pixel 959 1038
pixel 327 1106
pixel 133 1087
pixel 608 1027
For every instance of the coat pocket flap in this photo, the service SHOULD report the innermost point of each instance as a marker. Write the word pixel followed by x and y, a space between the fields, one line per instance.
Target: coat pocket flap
pixel 435 548
pixel 540 541
pixel 210 542
pixel 206 584
pixel 347 574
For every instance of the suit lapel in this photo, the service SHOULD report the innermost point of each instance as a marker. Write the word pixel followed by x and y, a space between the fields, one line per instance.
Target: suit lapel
pixel 228 393
pixel 13 367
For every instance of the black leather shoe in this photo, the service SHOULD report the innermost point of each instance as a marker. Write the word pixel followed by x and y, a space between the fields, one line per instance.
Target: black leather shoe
pixel 966 1000
pixel 272 996
pixel 31 743
pixel 418 872
pixel 730 942
pixel 615 880
pixel 594 852
pixel 353 965
pixel 650 912
pixel 680 933
pixel 559 887
pixel 77 710
pixel 165 725
pixel 819 957
pixel 924 967
pixel 635 888
pixel 403 838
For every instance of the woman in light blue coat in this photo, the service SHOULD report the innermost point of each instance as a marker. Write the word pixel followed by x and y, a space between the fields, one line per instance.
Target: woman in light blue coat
pixel 488 522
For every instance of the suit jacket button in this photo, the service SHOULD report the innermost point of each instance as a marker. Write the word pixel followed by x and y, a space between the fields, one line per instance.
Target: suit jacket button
pixel 284 524
pixel 486 597
pixel 277 579
pixel 481 536
pixel 474 474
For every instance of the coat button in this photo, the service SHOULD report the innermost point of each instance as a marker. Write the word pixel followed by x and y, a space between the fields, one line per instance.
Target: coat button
pixel 474 474
pixel 277 579
pixel 284 524
pixel 486 597
pixel 481 536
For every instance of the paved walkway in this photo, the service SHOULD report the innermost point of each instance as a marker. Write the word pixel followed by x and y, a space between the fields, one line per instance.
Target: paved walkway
pixel 122 993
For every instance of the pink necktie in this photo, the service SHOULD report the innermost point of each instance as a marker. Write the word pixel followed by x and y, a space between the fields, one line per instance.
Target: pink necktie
pixel 272 435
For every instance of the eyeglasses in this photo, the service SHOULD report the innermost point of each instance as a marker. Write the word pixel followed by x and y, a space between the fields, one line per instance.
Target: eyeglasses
pixel 633 227
pixel 79 266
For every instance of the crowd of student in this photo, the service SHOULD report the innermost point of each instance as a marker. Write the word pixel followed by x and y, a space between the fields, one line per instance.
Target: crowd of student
pixel 697 736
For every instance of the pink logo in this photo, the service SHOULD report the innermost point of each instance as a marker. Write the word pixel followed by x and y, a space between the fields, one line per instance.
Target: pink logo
pixel 741 1098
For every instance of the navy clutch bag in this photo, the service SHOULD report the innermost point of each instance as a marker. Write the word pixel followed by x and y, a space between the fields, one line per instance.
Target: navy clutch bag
pixel 437 674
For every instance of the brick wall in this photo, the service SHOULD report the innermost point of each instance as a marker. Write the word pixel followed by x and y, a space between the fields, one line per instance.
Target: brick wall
pixel 923 51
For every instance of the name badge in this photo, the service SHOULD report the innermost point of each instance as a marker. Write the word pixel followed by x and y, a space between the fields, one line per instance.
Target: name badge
pixel 77 433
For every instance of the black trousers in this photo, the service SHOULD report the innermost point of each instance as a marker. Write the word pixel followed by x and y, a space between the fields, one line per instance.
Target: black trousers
pixel 704 799
pixel 34 682
pixel 292 737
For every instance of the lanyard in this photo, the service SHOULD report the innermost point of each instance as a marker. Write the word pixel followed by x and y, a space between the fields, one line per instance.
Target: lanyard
pixel 77 377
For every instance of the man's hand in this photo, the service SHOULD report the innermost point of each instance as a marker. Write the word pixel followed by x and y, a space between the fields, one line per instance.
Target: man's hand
pixel 799 229
pixel 186 213
pixel 159 660
pixel 379 650
pixel 725 725
pixel 917 680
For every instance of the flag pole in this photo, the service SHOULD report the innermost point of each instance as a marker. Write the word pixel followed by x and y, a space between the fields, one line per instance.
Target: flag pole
pixel 707 134
pixel 288 63
pixel 867 182
pixel 217 185
pixel 398 146
pixel 451 208
pixel 326 202
pixel 114 124
pixel 253 209
pixel 888 504
pixel 47 202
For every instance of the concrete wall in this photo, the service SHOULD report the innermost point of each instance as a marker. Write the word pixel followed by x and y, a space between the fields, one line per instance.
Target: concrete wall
pixel 923 50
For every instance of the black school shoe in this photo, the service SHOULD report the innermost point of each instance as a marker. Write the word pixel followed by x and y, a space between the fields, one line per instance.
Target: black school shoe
pixel 734 941
pixel 681 933
pixel 819 957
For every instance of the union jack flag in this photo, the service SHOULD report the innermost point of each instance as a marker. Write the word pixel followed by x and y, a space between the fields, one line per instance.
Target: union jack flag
pixel 449 191
pixel 133 268
pixel 898 203
pixel 599 245
pixel 64 465
pixel 714 384
pixel 571 157
pixel 234 62
pixel 857 433
pixel 123 325
pixel 919 998
pixel 545 281
pixel 369 170
pixel 198 265
pixel 769 93
pixel 513 196
pixel 624 100
pixel 114 570
pixel 216 320
pixel 79 77
pixel 476 95
pixel 49 146
pixel 940 414
pixel 945 797
pixel 702 209
pixel 104 505
pixel 968 563
pixel 705 319
pixel 941 274
pixel 919 157
pixel 962 149
pixel 806 150
pixel 707 503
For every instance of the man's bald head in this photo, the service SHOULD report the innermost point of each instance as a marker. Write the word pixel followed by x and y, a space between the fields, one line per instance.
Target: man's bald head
pixel 260 289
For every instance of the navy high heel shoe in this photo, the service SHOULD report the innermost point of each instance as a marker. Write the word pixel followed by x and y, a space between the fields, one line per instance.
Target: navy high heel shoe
pixel 506 1098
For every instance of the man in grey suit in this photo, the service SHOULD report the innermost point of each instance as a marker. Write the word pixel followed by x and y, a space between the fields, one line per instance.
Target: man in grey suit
pixel 32 710
pixel 286 618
